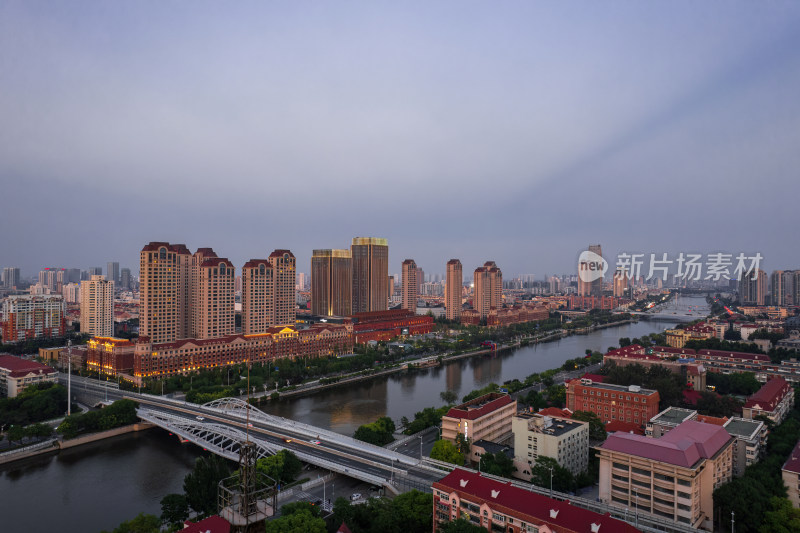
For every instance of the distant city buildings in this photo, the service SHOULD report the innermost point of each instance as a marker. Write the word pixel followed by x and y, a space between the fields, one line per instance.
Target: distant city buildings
pixel 112 272
pixel 592 288
pixel 11 279
pixel 753 287
pixel 454 287
pixel 125 279
pixel 97 306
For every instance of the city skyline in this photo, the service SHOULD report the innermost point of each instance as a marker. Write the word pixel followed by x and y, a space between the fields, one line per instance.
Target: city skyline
pixel 649 128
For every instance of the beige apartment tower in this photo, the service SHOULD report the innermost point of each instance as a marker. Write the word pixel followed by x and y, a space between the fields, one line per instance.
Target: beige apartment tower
pixel 195 309
pixel 97 307
pixel 331 282
pixel 284 299
pixel 592 288
pixel 164 291
pixel 410 281
pixel 621 283
pixel 488 291
pixel 257 289
pixel 370 274
pixel 214 299
pixel 453 289
pixel 753 288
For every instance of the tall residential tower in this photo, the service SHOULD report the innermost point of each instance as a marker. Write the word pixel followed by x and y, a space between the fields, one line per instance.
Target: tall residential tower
pixel 370 274
pixel 331 282
pixel 454 286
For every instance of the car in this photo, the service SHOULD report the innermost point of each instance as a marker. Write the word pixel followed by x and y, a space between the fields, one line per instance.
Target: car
pixel 200 418
pixel 249 425
pixel 287 439
pixel 315 442
pixel 355 496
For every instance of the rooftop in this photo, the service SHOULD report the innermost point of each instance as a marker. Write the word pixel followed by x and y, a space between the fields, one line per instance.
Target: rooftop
pixel 792 464
pixel 672 416
pixel 685 446
pixel 481 406
pixel 619 388
pixel 625 427
pixel 493 447
pixel 18 367
pixel 741 427
pixel 551 425
pixel 770 395
pixel 509 498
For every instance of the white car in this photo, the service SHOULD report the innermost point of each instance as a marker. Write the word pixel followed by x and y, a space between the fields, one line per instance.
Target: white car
pixel 355 496
pixel 200 418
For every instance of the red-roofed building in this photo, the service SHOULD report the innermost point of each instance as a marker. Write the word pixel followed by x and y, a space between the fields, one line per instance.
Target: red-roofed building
pixel 693 374
pixel 773 400
pixel 671 477
pixel 386 325
pixel 555 411
pixel 499 506
pixel 612 402
pixel 487 417
pixel 624 427
pixel 16 374
pixel 791 476
pixel 212 524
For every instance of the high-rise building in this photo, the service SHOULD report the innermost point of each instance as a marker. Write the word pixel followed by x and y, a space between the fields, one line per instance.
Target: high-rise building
pixel 283 271
pixel 11 277
pixel 753 289
pixel 454 284
pixel 410 285
pixel 257 296
pixel 331 282
pixel 391 285
pixel 488 291
pixel 420 278
pixel 195 313
pixel 48 278
pixel 164 291
pixel 97 307
pixel 73 275
pixel 71 293
pixel 112 271
pixel 213 310
pixel 33 316
pixel 370 274
pixel 125 279
pixel 777 290
pixel 592 288
pixel 621 283
pixel 301 281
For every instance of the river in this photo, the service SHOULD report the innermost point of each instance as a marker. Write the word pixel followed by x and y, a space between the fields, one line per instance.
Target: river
pixel 96 487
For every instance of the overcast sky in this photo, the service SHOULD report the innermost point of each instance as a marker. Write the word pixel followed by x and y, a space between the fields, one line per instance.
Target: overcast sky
pixel 514 131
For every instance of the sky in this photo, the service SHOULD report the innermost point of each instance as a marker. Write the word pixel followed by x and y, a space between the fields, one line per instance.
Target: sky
pixel 515 131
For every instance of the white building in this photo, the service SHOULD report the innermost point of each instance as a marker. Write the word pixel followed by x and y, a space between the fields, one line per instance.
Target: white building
pixel 562 439
pixel 97 307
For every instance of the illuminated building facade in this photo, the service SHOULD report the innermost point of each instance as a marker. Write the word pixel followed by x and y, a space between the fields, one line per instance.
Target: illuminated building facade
pixel 109 355
pixel 453 290
pixel 284 299
pixel 370 274
pixel 331 282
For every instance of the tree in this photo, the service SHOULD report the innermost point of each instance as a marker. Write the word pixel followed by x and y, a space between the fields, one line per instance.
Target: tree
pixel 15 434
pixel 463 444
pixel 200 485
pixel 562 478
pixel 783 518
pixel 461 525
pixel 143 523
pixel 444 450
pixel 498 464
pixel 299 522
pixel 596 429
pixel 283 467
pixel 174 509
pixel 379 432
pixel 300 507
pixel 449 397
pixel 413 511
pixel 39 431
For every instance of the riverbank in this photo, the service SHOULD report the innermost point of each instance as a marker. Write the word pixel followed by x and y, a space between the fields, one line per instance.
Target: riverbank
pixel 426 362
pixel 54 446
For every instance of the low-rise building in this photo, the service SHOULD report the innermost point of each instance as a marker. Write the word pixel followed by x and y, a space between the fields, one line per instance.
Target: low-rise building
pixel 17 374
pixel 750 443
pixel 691 372
pixel 562 439
pixel 672 477
pixel 487 417
pixel 773 400
pixel 498 506
pixel 386 325
pixel 667 420
pixel 612 402
pixel 110 355
pixel 791 476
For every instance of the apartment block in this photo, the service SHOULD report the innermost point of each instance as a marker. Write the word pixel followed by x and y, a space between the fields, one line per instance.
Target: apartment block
pixel 774 400
pixel 283 271
pixel 33 316
pixel 671 477
pixel 410 280
pixel 214 299
pixel 257 296
pixel 612 402
pixel 501 506
pixel 750 443
pixel 97 306
pixel 332 282
pixel 453 290
pixel 791 476
pixel 164 271
pixel 488 290
pixel 560 438
pixel 370 274
pixel 487 417
pixel 667 420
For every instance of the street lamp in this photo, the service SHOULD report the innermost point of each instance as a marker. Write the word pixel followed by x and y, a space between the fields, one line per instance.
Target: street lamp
pixel 551 481
pixel 420 447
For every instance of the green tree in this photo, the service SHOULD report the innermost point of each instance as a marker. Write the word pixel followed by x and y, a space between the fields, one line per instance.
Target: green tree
pixel 39 431
pixel 463 444
pixel 300 507
pixel 174 509
pixel 142 523
pixel 460 525
pixel 562 478
pixel 596 429
pixel 299 522
pixel 783 518
pixel 15 434
pixel 200 485
pixel 379 432
pixel 444 450
pixel 413 510
pixel 449 397
pixel 498 464
pixel 282 467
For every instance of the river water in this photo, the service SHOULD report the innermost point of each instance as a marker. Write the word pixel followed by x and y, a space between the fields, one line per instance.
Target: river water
pixel 97 486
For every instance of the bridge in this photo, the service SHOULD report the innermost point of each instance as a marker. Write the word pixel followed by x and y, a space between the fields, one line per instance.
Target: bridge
pixel 666 317
pixel 222 425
